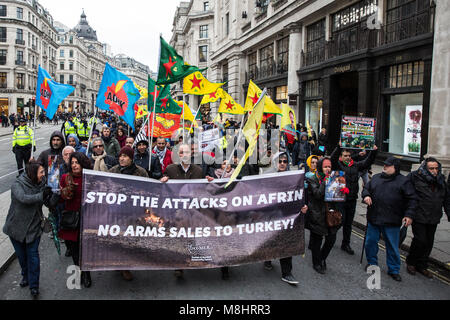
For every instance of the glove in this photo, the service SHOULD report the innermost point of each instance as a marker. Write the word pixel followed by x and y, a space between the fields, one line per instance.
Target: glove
pixel 34 149
pixel 14 150
pixel 47 193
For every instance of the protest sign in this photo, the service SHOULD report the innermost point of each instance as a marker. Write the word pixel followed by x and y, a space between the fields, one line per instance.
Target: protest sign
pixel 134 223
pixel 209 139
pixel 413 130
pixel 358 133
pixel 53 173
pixel 334 186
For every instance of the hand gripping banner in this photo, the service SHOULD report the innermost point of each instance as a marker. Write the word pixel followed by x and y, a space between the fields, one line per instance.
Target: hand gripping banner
pixel 134 223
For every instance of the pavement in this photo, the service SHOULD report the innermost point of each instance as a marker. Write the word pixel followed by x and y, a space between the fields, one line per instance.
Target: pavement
pixel 440 254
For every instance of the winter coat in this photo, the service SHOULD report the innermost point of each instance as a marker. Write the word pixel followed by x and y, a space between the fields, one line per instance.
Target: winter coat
pixel 23 222
pixel 43 157
pixel 432 195
pixel 352 172
pixel 176 172
pixel 301 152
pixel 141 160
pixel 132 170
pixel 393 198
pixel 315 219
pixel 112 146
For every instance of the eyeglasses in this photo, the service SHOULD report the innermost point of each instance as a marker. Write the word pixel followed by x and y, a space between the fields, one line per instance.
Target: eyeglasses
pixel 97 147
pixel 283 161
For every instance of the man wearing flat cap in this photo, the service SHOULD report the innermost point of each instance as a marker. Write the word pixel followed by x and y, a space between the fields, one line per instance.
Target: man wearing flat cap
pixel 391 201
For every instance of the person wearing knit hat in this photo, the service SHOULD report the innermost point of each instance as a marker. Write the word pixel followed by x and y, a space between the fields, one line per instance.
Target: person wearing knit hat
pixel 141 159
pixel 127 166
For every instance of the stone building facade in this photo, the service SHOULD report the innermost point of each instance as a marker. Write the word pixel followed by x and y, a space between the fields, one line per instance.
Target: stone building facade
pixel 27 39
pixel 329 58
pixel 30 37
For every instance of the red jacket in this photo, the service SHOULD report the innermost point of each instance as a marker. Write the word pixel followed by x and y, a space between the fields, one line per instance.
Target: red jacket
pixel 71 205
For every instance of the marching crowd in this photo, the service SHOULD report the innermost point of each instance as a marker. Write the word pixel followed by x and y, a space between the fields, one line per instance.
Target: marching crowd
pixel 393 200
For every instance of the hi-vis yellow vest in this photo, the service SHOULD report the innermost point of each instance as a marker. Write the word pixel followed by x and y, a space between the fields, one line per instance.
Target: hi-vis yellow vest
pixel 23 136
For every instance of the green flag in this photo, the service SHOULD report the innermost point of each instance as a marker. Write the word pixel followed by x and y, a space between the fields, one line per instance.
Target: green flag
pixel 172 67
pixel 164 101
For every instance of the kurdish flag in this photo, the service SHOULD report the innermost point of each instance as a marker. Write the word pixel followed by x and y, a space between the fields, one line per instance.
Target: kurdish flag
pixel 50 94
pixel 212 97
pixel 253 95
pixel 119 94
pixel 228 105
pixel 197 84
pixel 164 101
pixel 141 111
pixel 172 67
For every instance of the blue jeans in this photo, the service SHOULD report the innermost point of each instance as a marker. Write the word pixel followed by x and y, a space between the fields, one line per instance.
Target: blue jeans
pixel 391 237
pixel 28 256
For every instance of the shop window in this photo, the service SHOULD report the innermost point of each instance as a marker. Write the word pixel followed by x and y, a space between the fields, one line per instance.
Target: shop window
pixel 281 93
pixel 4 106
pixel 404 119
pixel 405 75
pixel 313 114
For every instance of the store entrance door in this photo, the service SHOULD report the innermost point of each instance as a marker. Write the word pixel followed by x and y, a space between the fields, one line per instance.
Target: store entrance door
pixel 343 102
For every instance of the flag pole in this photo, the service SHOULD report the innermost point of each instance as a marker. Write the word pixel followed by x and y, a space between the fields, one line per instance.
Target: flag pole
pixel 240 132
pixel 92 130
pixel 150 139
pixel 184 141
pixel 34 131
pixel 237 143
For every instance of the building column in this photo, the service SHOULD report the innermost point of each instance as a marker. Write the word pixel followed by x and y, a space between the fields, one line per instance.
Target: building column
pixel 439 130
pixel 234 77
pixel 295 54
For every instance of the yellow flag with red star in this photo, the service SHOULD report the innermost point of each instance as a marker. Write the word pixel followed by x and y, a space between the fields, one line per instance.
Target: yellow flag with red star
pixel 253 94
pixel 212 97
pixel 228 105
pixel 141 112
pixel 187 114
pixel 197 84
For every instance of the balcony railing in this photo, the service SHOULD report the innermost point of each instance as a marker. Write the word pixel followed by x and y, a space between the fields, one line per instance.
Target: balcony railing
pixel 361 38
pixel 19 41
pixel 271 70
pixel 20 63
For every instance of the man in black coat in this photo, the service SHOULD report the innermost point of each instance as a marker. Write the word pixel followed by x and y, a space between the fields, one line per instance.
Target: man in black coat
pixel 352 170
pixel 391 201
pixel 100 160
pixel 432 195
pixel 57 144
pixel 141 159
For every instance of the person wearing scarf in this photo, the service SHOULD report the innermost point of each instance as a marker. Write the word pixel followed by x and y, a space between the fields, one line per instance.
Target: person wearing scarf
pixel 432 195
pixel 315 219
pixel 391 202
pixel 164 154
pixel 225 167
pixel 121 137
pixel 342 161
pixel 100 161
